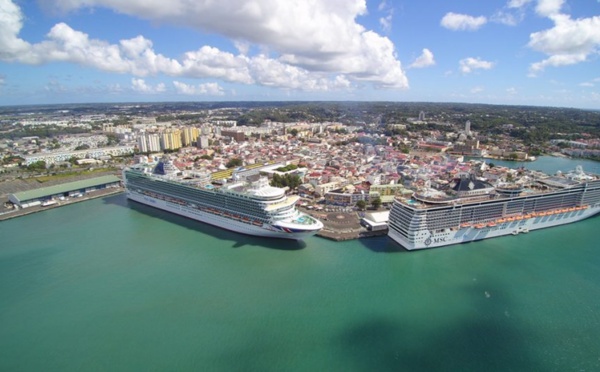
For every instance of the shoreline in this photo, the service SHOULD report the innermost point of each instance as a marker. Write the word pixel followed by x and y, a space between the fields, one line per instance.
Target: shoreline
pixel 36 209
pixel 348 228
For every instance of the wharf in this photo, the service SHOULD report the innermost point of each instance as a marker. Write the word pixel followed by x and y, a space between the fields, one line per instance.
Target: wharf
pixel 6 215
pixel 340 226
pixel 343 235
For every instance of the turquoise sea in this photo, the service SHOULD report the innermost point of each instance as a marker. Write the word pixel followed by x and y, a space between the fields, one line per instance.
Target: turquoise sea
pixel 111 285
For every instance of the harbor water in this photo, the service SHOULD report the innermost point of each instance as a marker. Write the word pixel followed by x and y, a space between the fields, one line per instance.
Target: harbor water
pixel 113 285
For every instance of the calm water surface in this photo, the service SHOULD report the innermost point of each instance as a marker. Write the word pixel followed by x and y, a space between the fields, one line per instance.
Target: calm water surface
pixel 113 285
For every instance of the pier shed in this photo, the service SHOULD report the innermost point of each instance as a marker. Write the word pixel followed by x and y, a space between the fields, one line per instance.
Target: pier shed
pixel 39 196
pixel 376 221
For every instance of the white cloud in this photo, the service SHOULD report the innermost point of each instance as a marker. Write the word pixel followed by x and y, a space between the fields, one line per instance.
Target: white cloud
pixel 55 87
pixel 467 65
pixel 476 90
pixel 272 72
pixel 570 41
pixel 547 8
pixel 517 3
pixel 114 88
pixel 140 86
pixel 424 60
pixel 507 18
pixel 555 61
pixel 11 22
pixel 454 21
pixel 386 22
pixel 320 36
pixel 512 91
pixel 587 84
pixel 212 62
pixel 382 5
pixel 210 89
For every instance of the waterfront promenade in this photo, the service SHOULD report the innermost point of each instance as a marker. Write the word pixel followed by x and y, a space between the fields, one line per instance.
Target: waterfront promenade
pixel 340 226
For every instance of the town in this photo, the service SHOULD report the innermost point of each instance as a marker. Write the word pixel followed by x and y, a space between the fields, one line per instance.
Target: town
pixel 339 158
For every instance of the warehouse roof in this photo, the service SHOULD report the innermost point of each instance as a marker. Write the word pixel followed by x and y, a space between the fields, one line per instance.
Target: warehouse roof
pixel 65 187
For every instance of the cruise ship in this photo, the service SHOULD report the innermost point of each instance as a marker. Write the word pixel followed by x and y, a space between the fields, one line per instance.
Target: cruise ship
pixel 470 209
pixel 249 206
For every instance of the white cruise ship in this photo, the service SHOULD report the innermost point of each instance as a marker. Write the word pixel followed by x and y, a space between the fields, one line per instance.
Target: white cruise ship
pixel 250 206
pixel 471 209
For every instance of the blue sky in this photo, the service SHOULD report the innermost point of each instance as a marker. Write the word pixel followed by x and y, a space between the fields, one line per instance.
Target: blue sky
pixel 521 52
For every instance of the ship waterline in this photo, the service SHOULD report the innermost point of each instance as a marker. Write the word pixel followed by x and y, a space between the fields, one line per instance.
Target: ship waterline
pixel 428 221
pixel 249 207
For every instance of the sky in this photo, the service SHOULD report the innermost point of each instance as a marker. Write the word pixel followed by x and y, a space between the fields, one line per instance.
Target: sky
pixel 514 52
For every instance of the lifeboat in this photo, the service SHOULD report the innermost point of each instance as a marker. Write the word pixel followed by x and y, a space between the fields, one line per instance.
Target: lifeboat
pixel 542 214
pixel 518 218
pixel 480 226
pixel 464 225
pixel 491 224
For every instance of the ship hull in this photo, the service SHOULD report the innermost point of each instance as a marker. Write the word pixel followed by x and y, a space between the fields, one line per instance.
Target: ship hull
pixel 425 239
pixel 222 221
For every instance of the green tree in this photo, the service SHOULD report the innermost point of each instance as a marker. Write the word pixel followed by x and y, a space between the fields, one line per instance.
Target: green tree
pixel 376 203
pixel 361 204
pixel 287 180
pixel 38 166
pixel 235 162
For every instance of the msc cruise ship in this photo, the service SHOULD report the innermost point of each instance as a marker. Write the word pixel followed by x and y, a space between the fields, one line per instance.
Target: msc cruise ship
pixel 471 209
pixel 249 206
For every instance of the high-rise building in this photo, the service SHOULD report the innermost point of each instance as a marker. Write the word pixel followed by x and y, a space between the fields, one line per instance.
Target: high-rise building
pixel 421 116
pixel 171 139
pixel 142 144
pixel 202 142
pixel 468 128
pixel 149 142
pixel 189 135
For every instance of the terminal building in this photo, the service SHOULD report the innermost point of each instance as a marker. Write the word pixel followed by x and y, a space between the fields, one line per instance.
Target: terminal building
pixel 51 194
